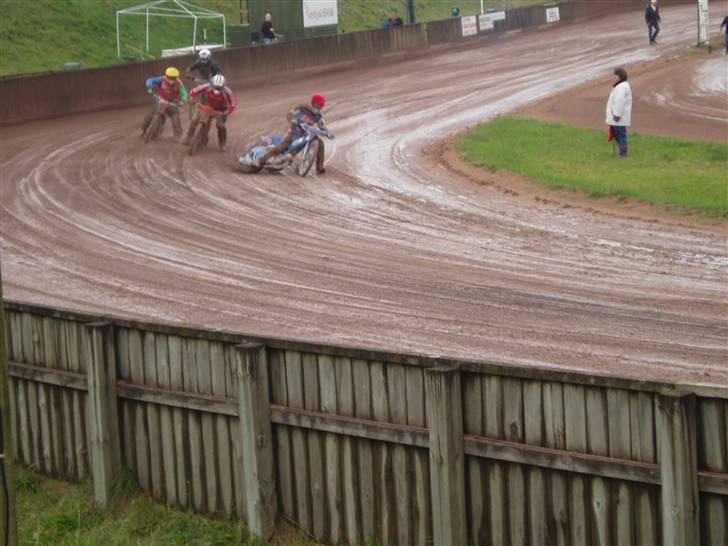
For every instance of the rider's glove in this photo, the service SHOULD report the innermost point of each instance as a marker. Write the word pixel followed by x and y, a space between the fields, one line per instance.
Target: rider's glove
pixel 150 91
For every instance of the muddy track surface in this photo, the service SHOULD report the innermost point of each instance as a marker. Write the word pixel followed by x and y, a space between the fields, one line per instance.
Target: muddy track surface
pixel 390 249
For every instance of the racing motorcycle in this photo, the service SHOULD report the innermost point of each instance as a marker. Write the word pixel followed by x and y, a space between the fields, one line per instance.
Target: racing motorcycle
pixel 302 150
pixel 153 124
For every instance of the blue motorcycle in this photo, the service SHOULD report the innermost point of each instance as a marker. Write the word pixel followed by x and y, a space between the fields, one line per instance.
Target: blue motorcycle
pixel 303 149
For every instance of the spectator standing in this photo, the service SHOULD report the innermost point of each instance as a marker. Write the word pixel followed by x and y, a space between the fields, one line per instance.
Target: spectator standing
pixel 267 30
pixel 652 18
pixel 395 20
pixel 725 36
pixel 619 110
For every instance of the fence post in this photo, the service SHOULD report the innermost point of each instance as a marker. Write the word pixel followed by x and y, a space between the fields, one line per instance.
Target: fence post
pixel 98 338
pixel 679 470
pixel 447 458
pixel 256 438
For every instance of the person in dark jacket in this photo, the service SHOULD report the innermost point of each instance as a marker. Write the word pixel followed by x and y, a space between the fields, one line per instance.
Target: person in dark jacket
pixel 725 24
pixel 205 66
pixel 652 18
pixel 267 30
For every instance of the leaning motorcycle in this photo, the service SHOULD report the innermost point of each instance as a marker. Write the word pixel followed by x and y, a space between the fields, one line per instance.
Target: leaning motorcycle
pixel 153 124
pixel 301 153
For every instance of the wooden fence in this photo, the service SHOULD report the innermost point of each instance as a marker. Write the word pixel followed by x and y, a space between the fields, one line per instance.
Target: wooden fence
pixel 352 444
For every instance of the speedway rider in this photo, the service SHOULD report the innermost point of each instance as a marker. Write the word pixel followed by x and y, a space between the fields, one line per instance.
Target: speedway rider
pixel 170 95
pixel 309 114
pixel 205 66
pixel 220 98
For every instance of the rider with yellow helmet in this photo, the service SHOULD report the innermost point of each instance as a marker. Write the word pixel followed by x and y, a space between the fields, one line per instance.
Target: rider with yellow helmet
pixel 170 93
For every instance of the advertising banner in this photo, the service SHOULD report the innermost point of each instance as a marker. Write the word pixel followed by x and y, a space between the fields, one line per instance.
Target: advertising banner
pixel 319 13
pixel 487 20
pixel 552 15
pixel 470 25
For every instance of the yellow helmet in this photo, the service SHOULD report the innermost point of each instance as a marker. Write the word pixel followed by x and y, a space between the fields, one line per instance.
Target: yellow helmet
pixel 171 72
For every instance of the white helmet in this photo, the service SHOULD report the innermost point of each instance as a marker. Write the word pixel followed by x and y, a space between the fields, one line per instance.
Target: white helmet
pixel 204 54
pixel 218 81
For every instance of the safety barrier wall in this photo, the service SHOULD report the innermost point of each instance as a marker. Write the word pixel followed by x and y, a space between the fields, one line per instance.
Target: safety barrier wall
pixel 353 444
pixel 68 93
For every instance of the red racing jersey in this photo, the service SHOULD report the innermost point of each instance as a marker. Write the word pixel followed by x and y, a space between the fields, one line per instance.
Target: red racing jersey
pixel 223 101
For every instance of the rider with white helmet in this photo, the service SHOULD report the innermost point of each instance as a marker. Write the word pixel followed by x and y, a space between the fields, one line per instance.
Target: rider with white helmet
pixel 220 98
pixel 204 64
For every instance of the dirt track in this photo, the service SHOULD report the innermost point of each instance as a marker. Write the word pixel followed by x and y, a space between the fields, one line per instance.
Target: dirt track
pixel 389 250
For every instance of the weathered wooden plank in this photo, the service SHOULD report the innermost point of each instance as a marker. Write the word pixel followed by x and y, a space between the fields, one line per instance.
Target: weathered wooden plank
pixel 620 447
pixel 47 376
pixel 397 393
pixel 315 441
pixel 66 403
pixel 238 477
pixel 103 419
pixel 421 509
pixel 534 435
pixel 141 439
pixel 473 424
pixel 180 451
pixel 444 415
pixel 558 507
pixel 207 423
pixel 345 398
pixel 12 401
pixel 713 458
pixel 678 470
pixel 495 471
pixel 46 441
pixel 576 440
pixel 294 380
pixel 329 404
pixel 48 353
pixel 26 456
pixel 224 456
pixel 513 430
pixel 34 425
pixel 598 444
pixel 195 470
pixel 152 410
pixel 642 427
pixel 165 422
pixel 284 471
pixel 385 501
pixel 365 483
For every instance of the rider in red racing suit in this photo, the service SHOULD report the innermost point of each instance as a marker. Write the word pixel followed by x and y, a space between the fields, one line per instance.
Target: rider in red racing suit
pixel 220 98
pixel 309 114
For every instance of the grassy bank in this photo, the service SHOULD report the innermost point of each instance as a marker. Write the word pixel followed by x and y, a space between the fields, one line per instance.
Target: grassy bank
pixel 41 35
pixel 58 513
pixel 686 174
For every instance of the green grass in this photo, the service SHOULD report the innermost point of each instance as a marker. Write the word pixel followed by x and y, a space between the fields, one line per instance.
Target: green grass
pixel 42 35
pixel 686 174
pixel 52 512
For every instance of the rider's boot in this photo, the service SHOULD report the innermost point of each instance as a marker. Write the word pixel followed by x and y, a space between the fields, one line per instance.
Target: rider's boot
pixel 190 133
pixel 275 150
pixel 222 138
pixel 176 126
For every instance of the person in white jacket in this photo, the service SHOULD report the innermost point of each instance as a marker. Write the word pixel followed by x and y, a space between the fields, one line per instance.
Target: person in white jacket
pixel 619 110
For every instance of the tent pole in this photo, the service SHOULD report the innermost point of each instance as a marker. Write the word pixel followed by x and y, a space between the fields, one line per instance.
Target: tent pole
pixel 118 43
pixel 194 37
pixel 147 41
pixel 224 38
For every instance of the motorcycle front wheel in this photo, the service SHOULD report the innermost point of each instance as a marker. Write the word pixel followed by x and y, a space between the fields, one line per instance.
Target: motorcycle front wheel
pixel 308 157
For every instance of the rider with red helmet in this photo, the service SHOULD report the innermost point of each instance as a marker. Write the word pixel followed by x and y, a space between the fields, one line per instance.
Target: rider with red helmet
pixel 220 98
pixel 309 114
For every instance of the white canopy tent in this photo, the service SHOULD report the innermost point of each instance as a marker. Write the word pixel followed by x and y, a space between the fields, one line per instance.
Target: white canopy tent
pixel 169 8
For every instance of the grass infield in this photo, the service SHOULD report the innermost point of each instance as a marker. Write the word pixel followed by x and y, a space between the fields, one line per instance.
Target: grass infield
pixel 59 513
pixel 687 174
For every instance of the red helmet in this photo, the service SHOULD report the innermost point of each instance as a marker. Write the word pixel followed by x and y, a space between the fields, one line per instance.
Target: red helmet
pixel 318 100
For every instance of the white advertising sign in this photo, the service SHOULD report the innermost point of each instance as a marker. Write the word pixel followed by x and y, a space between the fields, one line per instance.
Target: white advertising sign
pixel 318 13
pixel 485 23
pixel 470 25
pixel 498 15
pixel 552 15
